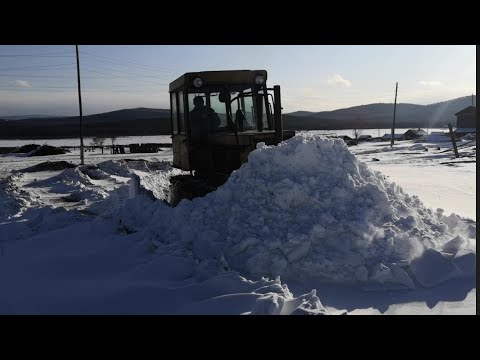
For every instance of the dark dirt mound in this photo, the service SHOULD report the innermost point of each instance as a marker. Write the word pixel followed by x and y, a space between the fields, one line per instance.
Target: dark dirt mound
pixel 26 148
pixel 49 166
pixel 45 150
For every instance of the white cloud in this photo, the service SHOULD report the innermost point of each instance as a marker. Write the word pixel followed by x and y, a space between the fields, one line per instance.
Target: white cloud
pixel 339 80
pixel 23 83
pixel 430 83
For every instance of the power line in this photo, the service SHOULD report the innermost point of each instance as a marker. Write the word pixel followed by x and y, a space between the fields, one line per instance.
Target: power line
pixel 65 91
pixel 147 67
pixel 38 54
pixel 169 72
pixel 35 67
pixel 134 85
pixel 69 87
pixel 109 75
pixel 120 71
pixel 58 56
pixel 31 90
pixel 117 62
pixel 138 64
pixel 69 77
pixel 47 76
pixel 46 87
pixel 124 77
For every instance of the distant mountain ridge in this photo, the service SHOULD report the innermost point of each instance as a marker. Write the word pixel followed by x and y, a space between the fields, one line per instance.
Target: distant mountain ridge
pixel 147 121
pixel 379 115
pixel 138 121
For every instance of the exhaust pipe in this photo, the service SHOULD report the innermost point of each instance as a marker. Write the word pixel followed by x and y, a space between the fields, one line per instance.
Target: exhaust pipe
pixel 277 110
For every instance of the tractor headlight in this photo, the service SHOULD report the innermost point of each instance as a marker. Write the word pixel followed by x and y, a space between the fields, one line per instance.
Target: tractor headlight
pixel 197 82
pixel 259 80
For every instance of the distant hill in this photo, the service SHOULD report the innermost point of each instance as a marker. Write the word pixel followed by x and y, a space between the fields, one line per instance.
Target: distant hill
pixel 21 117
pixel 145 121
pixel 379 116
pixel 139 121
pixel 302 113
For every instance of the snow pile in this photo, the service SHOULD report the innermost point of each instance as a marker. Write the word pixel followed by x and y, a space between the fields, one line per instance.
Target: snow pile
pixel 417 147
pixel 150 178
pixel 278 300
pixel 308 209
pixel 93 172
pixel 148 166
pixel 154 185
pixel 99 189
pixel 13 200
pixel 93 267
pixel 124 168
pixel 77 186
pixel 114 167
pixel 21 214
pixel 469 137
pixel 437 138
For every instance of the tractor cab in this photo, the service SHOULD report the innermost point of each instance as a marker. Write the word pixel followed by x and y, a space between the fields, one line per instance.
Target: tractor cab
pixel 218 118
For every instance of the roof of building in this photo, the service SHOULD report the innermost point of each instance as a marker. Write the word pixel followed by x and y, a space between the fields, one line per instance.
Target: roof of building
pixel 389 136
pixel 467 110
pixel 416 131
pixel 465 130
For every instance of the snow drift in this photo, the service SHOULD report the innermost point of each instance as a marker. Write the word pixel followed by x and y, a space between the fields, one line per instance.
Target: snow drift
pixel 308 209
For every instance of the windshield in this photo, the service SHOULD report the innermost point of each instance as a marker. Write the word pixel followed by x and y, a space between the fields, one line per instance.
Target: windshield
pixel 224 109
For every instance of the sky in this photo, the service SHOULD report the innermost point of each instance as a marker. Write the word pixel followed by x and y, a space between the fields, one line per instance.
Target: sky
pixel 42 80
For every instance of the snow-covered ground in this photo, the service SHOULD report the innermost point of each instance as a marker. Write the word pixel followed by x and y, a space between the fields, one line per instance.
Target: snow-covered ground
pixel 427 169
pixel 308 214
pixel 371 132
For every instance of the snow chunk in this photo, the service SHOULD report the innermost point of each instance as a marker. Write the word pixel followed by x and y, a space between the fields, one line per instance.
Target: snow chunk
pixel 454 245
pixel 432 268
pixel 465 261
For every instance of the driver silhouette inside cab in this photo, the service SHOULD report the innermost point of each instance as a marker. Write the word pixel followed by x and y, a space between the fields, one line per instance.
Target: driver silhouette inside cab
pixel 203 120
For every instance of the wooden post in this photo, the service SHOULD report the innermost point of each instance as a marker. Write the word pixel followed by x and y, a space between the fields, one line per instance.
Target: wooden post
pixel 80 106
pixel 452 136
pixel 394 109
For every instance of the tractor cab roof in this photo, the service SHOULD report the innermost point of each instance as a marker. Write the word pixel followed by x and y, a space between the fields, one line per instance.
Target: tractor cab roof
pixel 217 77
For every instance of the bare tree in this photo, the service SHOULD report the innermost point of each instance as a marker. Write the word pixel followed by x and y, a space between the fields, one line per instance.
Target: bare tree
pixel 114 148
pixel 356 133
pixel 97 141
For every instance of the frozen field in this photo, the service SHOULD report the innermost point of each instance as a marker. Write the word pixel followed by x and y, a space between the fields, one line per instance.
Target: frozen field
pixel 163 139
pixel 122 140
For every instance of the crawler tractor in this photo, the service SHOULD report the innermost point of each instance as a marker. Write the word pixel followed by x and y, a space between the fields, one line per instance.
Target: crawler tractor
pixel 218 118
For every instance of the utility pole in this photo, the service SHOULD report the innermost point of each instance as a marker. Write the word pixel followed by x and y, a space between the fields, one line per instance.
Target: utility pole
pixel 80 106
pixel 394 109
pixel 454 143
